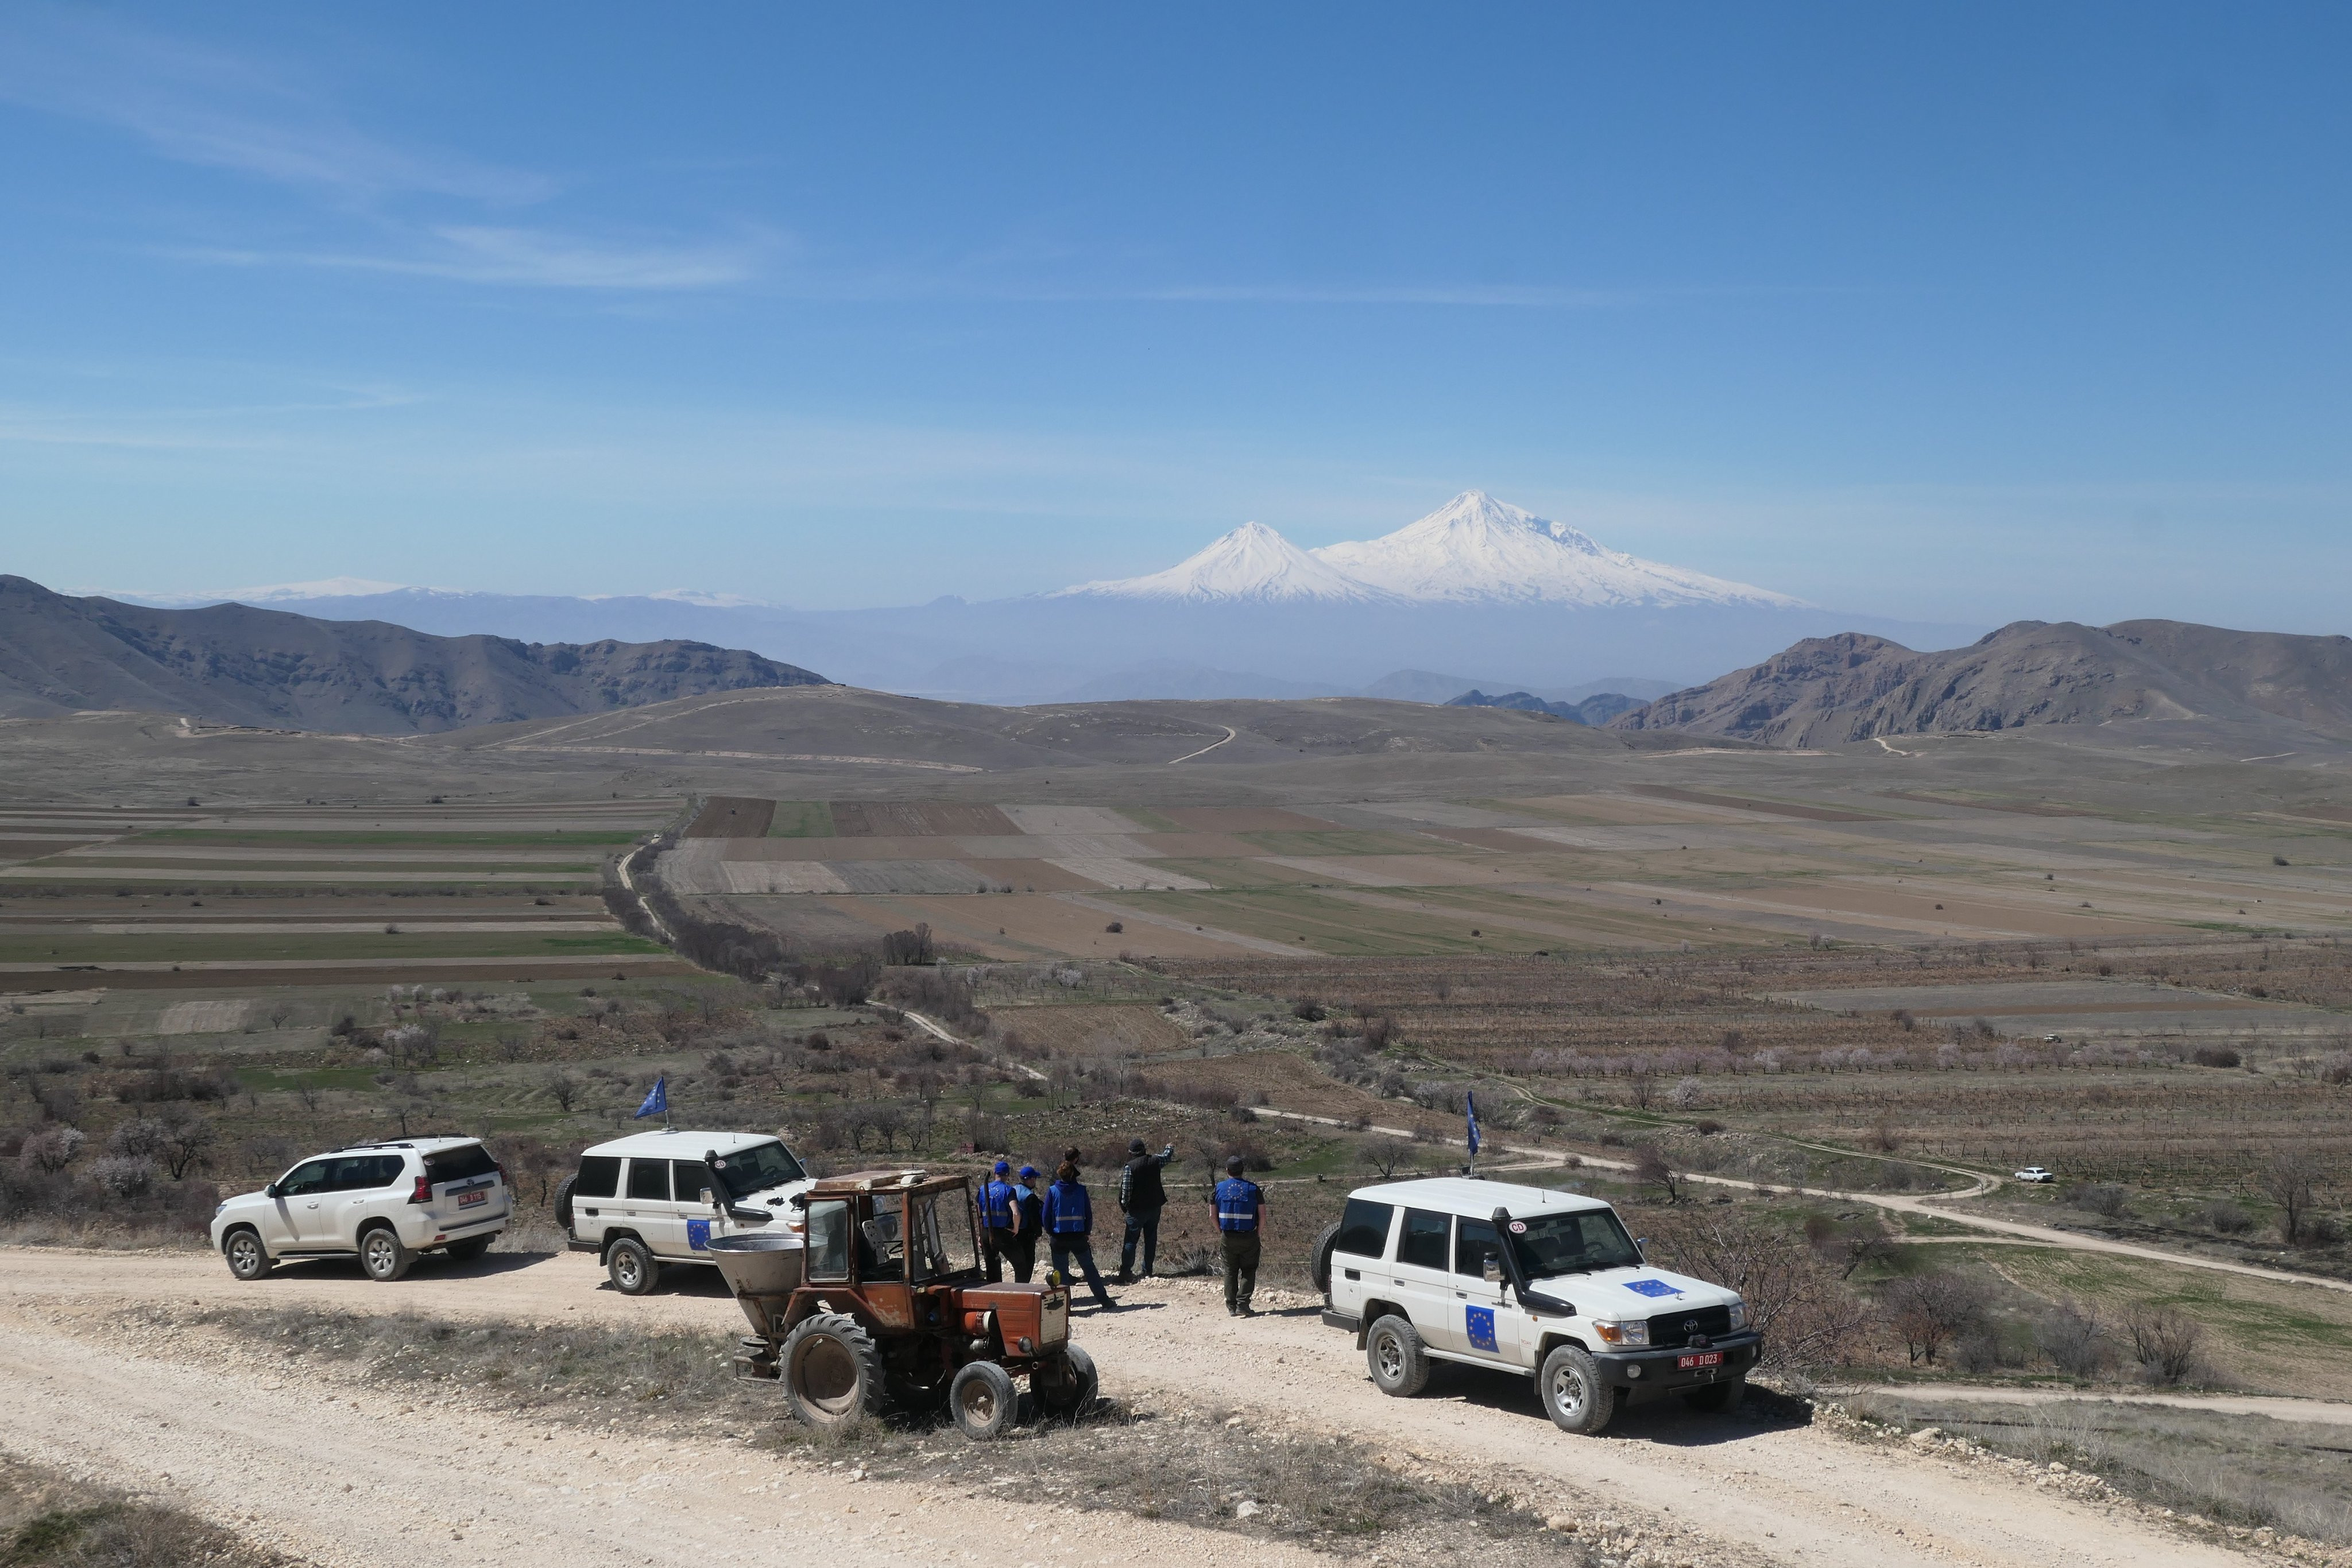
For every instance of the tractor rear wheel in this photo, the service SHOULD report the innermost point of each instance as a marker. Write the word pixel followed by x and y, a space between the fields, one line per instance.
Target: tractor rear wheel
pixel 982 1400
pixel 1066 1386
pixel 830 1370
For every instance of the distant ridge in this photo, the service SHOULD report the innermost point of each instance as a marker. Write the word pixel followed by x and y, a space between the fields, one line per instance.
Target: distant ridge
pixel 236 664
pixel 1831 690
pixel 1599 708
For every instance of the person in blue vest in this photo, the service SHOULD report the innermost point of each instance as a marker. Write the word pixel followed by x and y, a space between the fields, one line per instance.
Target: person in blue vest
pixel 1029 1201
pixel 1241 1216
pixel 1000 1223
pixel 1069 1221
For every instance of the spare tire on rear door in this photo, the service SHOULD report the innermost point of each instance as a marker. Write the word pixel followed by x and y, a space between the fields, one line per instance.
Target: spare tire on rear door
pixel 1320 1255
pixel 563 1203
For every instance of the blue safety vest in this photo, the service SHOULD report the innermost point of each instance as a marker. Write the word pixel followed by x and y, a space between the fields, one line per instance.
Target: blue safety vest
pixel 1069 1210
pixel 1237 1202
pixel 995 1205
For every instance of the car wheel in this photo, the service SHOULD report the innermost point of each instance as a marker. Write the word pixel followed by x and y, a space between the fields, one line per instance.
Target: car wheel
pixel 981 1401
pixel 1320 1256
pixel 564 1204
pixel 832 1373
pixel 1718 1398
pixel 248 1258
pixel 465 1251
pixel 631 1267
pixel 1398 1358
pixel 1067 1386
pixel 1572 1392
pixel 384 1258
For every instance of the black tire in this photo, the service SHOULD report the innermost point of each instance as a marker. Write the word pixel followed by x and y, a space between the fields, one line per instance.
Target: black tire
pixel 564 1204
pixel 1398 1358
pixel 248 1259
pixel 468 1250
pixel 1718 1398
pixel 1573 1393
pixel 629 1264
pixel 1068 1385
pixel 384 1257
pixel 1320 1253
pixel 831 1372
pixel 981 1402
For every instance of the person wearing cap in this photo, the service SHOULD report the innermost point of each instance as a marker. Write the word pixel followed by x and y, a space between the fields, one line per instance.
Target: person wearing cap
pixel 1241 1216
pixel 1029 1204
pixel 1141 1196
pixel 999 1222
pixel 1069 1225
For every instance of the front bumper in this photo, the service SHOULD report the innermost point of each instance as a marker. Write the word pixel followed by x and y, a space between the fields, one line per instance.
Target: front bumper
pixel 1645 1374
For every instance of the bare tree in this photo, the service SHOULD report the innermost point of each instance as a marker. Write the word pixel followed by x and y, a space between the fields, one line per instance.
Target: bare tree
pixel 1930 1311
pixel 2292 1180
pixel 2073 1339
pixel 1384 1156
pixel 280 1012
pixel 1643 1088
pixel 564 1089
pixel 1651 1169
pixel 2167 1343
pixel 1807 1317
pixel 186 1142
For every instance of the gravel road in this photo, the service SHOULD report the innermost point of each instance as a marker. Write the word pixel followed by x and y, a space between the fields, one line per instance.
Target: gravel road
pixel 240 1442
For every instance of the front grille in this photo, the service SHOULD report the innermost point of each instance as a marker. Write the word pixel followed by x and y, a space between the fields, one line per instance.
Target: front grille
pixel 1671 1331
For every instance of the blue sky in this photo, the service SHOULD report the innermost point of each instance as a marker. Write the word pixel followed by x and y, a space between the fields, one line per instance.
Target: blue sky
pixel 1951 313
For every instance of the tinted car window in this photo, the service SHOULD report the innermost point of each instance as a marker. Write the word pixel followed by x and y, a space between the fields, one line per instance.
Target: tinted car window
pixel 1364 1228
pixel 461 1164
pixel 828 1240
pixel 692 1179
pixel 1563 1243
pixel 310 1177
pixel 1423 1241
pixel 354 1172
pixel 650 1179
pixel 759 1166
pixel 1474 1243
pixel 600 1176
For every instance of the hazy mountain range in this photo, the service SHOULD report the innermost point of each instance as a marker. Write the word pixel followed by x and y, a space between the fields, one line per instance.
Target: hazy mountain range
pixel 236 664
pixel 1520 601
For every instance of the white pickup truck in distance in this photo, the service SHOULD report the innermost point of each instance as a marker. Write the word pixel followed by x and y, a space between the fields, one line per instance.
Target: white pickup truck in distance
pixel 1523 1279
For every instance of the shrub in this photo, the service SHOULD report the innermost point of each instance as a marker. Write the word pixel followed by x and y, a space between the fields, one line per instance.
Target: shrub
pixel 2167 1343
pixel 2100 1197
pixel 50 1152
pixel 2216 1056
pixel 2227 1217
pixel 123 1178
pixel 2074 1341
pixel 1930 1311
pixel 1308 1010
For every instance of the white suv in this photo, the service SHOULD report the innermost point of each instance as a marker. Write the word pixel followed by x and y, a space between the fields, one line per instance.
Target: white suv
pixel 385 1203
pixel 1529 1280
pixel 648 1199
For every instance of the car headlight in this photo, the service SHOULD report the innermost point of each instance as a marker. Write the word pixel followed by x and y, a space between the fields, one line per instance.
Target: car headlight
pixel 1738 1315
pixel 218 1207
pixel 1635 1332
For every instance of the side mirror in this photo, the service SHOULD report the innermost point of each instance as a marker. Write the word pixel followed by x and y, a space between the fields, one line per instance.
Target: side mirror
pixel 272 1191
pixel 1493 1270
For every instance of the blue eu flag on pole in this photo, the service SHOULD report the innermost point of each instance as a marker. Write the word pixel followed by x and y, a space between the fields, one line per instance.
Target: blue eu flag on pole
pixel 657 1102
pixel 1470 1112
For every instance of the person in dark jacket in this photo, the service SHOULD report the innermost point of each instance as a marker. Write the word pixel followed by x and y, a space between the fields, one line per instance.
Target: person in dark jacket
pixel 1141 1196
pixel 1241 1216
pixel 1000 1221
pixel 1070 1222
pixel 1029 1202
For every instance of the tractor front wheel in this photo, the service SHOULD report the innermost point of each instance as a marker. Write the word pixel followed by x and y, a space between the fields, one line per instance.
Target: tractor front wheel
pixel 832 1373
pixel 1066 1386
pixel 982 1400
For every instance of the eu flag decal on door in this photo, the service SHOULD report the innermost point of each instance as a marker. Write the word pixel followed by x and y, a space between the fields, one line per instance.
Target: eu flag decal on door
pixel 697 1235
pixel 1481 1324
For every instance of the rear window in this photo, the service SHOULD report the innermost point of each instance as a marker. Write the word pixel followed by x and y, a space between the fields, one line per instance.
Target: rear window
pixel 600 1176
pixel 648 1178
pixel 1364 1228
pixel 462 1164
pixel 1423 1241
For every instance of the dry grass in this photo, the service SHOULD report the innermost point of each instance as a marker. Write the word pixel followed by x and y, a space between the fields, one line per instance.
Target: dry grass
pixel 49 1520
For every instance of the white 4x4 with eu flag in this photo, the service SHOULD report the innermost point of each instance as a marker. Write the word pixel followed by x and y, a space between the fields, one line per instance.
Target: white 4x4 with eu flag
pixel 1546 1285
pixel 653 1199
pixel 383 1202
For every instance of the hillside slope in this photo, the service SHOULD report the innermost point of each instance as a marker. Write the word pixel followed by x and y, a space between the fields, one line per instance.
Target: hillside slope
pixel 1826 691
pixel 232 663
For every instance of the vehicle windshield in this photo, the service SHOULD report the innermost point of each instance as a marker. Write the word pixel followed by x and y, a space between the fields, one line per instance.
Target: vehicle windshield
pixel 943 1236
pixel 1570 1243
pixel 760 1167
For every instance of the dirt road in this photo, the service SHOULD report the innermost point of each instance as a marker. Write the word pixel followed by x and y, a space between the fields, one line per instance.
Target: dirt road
pixel 246 1443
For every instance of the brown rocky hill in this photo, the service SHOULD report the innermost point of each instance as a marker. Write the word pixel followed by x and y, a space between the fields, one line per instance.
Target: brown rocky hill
pixel 1826 691
pixel 232 663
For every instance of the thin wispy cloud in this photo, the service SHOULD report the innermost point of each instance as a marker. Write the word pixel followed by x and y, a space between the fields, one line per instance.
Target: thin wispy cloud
pixel 534 257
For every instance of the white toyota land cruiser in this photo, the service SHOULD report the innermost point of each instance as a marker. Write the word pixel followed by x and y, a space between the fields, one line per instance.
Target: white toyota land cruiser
pixel 648 1199
pixel 385 1202
pixel 1531 1280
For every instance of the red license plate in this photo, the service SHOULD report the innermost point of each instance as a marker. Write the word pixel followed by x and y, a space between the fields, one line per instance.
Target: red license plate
pixel 469 1199
pixel 1704 1358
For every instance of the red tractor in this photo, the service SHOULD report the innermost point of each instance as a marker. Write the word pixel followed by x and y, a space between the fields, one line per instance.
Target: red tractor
pixel 875 1298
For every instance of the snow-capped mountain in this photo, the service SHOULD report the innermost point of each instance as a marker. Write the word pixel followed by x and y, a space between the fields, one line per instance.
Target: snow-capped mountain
pixel 1473 549
pixel 1252 564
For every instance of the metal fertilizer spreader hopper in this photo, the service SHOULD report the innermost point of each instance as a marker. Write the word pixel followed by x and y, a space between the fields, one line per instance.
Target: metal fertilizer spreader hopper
pixel 764 1270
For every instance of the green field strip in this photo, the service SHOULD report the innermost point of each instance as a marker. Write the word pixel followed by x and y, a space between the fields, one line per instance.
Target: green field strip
pixel 801 820
pixel 1336 927
pixel 1498 903
pixel 1319 842
pixel 230 838
pixel 178 949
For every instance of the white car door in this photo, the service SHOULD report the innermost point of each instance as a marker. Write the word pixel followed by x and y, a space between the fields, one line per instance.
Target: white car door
pixel 647 1209
pixel 1421 1281
pixel 294 1220
pixel 1490 1324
